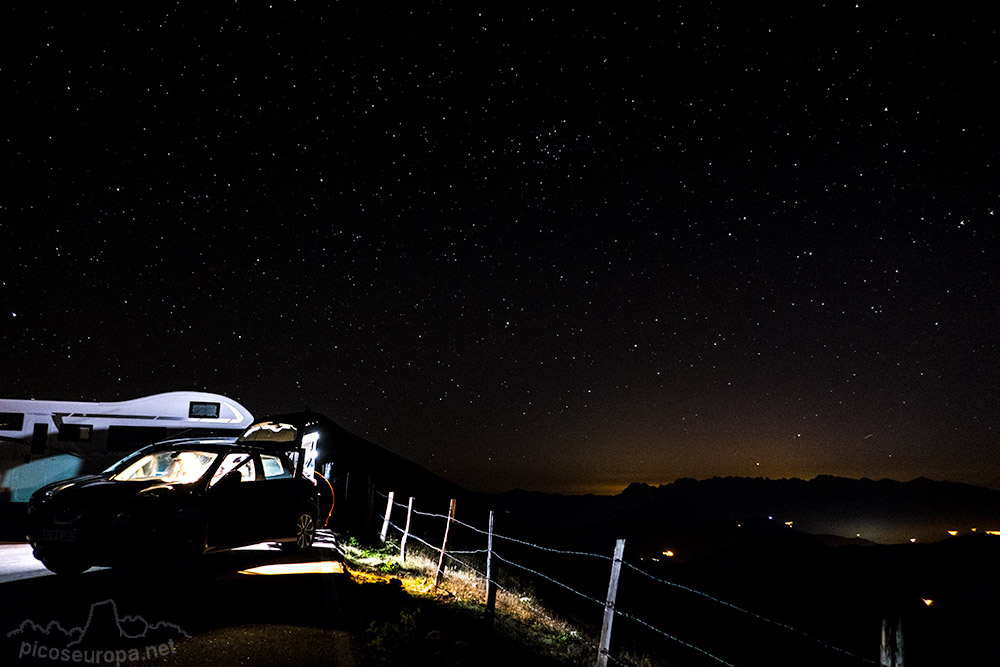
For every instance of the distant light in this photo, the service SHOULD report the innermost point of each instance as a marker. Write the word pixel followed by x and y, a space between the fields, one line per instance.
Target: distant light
pixel 973 530
pixel 668 553
pixel 770 518
pixel 993 532
pixel 927 601
pixel 912 540
pixel 789 523
pixel 858 534
pixel 319 567
pixel 953 533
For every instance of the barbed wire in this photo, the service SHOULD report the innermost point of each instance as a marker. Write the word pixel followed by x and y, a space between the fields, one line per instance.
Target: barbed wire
pixel 498 586
pixel 550 549
pixel 573 590
pixel 545 576
pixel 670 636
pixel 471 527
pixel 754 614
pixel 447 553
pixel 507 537
pixel 604 604
pixel 666 582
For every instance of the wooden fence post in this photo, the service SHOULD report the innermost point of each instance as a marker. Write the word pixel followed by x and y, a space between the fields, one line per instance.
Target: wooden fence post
pixel 609 606
pixel 891 653
pixel 406 533
pixel 444 545
pixel 385 523
pixel 491 587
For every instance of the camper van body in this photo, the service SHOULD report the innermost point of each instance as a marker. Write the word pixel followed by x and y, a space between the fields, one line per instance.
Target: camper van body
pixel 44 441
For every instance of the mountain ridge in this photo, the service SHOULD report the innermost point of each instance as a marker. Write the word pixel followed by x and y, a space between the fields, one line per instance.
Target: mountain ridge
pixel 885 511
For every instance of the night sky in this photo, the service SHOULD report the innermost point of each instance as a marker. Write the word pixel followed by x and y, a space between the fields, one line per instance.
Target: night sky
pixel 551 249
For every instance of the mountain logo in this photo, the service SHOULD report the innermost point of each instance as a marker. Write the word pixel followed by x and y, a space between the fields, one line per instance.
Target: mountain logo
pixel 106 637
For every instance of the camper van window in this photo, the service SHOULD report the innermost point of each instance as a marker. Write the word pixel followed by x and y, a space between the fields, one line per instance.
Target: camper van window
pixel 206 410
pixel 75 432
pixel 11 421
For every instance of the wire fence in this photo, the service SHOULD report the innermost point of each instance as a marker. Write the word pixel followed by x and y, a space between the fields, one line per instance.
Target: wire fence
pixel 611 610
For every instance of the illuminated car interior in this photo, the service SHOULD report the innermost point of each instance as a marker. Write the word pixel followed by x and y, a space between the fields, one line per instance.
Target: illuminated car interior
pixel 276 467
pixel 239 460
pixel 176 467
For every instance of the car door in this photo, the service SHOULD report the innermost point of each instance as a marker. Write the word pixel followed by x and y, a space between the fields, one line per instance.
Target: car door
pixel 286 493
pixel 235 502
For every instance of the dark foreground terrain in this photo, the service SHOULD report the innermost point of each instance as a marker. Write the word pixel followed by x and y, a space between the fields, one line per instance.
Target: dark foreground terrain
pixel 213 615
pixel 218 615
pixel 793 600
pixel 746 594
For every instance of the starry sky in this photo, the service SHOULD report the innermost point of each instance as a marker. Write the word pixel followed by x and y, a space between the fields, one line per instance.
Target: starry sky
pixel 555 249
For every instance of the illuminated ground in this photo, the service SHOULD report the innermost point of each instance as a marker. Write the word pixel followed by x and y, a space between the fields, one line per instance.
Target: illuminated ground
pixel 223 613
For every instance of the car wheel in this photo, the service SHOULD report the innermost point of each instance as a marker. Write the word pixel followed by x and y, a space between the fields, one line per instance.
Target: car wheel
pixel 305 531
pixel 65 563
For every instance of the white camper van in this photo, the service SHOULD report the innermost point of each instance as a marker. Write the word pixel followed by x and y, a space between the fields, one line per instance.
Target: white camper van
pixel 45 441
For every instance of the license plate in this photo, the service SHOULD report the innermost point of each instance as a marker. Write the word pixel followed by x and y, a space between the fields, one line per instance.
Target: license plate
pixel 57 535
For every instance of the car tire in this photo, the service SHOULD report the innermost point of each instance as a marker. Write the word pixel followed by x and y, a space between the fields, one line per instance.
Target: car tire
pixel 64 563
pixel 305 531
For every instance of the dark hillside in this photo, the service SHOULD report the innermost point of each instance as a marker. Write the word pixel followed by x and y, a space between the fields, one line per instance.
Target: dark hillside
pixel 882 511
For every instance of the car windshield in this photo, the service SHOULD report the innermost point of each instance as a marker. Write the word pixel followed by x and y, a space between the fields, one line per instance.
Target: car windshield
pixel 177 466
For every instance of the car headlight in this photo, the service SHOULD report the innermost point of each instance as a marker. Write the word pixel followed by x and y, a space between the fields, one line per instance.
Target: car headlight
pixel 44 496
pixel 68 513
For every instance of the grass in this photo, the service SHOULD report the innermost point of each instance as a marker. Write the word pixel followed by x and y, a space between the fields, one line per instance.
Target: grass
pixel 410 621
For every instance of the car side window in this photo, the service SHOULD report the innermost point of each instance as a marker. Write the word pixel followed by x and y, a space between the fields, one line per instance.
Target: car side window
pixel 230 462
pixel 275 467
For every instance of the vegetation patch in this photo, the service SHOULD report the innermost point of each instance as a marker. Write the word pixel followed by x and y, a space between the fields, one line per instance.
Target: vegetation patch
pixel 405 619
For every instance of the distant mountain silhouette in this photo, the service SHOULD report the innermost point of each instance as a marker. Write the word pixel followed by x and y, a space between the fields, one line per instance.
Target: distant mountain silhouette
pixel 883 511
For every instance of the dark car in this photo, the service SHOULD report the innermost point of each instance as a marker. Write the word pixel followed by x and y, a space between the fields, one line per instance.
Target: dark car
pixel 173 501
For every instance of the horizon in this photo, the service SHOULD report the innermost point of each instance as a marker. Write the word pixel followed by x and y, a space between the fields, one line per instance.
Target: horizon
pixel 611 492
